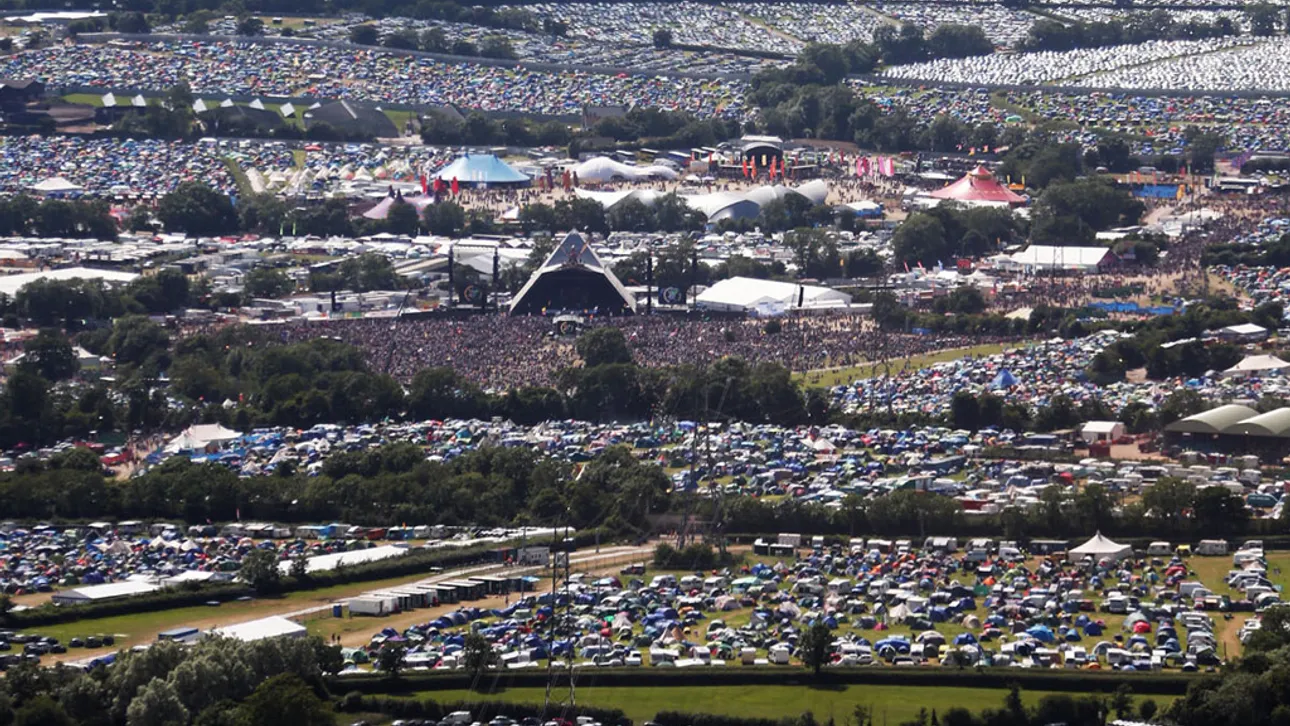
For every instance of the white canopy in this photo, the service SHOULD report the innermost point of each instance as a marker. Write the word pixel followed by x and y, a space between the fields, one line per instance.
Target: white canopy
pixel 1099 547
pixel 1253 365
pixel 55 184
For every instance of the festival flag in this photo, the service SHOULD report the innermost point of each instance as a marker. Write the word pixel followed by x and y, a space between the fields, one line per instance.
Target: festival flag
pixel 456 187
pixel 425 186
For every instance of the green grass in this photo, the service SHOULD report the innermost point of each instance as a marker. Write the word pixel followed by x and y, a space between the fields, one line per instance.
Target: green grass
pixel 239 177
pixel 143 627
pixel 295 23
pixel 890 704
pixel 400 118
pixel 836 376
pixel 88 99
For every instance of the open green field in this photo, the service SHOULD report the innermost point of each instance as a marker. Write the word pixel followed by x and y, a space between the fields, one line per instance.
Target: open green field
pixel 137 628
pixel 837 376
pixel 890 704
pixel 295 23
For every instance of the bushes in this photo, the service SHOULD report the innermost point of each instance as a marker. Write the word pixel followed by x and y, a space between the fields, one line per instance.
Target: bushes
pixel 678 718
pixel 164 600
pixel 1046 680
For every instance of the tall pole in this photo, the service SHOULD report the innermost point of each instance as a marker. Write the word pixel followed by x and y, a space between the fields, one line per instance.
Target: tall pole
pixel 649 282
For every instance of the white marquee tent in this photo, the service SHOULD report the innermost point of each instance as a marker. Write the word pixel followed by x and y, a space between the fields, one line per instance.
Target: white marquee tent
pixel 1257 365
pixel 1099 547
pixel 767 296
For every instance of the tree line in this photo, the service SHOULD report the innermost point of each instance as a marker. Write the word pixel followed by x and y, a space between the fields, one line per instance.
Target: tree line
pixel 217 681
pixel 380 486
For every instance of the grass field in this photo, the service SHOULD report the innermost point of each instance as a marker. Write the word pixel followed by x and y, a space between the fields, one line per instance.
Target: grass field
pixel 890 704
pixel 143 627
pixel 400 118
pixel 89 99
pixel 836 376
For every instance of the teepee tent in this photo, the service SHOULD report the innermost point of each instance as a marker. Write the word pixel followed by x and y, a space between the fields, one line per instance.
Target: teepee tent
pixel 1004 379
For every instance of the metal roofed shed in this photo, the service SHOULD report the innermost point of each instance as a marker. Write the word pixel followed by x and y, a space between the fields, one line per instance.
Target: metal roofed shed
pixel 106 591
pixel 270 627
pixel 1273 423
pixel 1101 431
pixel 1213 421
pixel 1246 332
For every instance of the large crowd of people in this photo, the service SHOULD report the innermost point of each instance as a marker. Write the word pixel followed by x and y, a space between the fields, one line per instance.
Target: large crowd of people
pixel 501 353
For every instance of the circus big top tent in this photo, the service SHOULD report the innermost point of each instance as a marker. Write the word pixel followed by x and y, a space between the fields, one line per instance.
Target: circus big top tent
pixel 979 187
pixel 481 169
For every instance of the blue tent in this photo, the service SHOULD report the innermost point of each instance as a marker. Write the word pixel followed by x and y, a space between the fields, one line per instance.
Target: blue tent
pixel 481 169
pixel 1004 379
pixel 1041 633
pixel 965 639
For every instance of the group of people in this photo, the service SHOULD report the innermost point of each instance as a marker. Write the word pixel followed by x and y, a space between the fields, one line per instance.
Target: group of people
pixel 501 353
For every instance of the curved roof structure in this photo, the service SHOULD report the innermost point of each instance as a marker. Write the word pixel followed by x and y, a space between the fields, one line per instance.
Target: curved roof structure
pixel 603 169
pixel 573 278
pixel 481 169
pixel 1273 423
pixel 978 185
pixel 717 206
pixel 1213 421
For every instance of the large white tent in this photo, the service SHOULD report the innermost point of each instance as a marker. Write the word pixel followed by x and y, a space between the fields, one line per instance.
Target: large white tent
pixel 54 185
pixel 1099 547
pixel 1257 365
pixel 603 169
pixel 748 294
pixel 198 436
